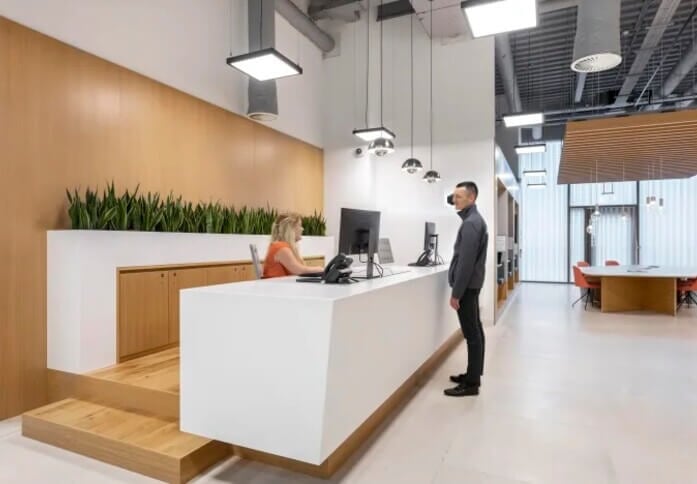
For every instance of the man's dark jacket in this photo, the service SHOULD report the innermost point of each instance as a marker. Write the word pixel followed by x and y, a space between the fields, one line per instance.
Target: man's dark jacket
pixel 468 266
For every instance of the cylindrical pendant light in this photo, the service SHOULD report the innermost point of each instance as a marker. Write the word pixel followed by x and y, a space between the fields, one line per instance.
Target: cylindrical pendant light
pixel 597 44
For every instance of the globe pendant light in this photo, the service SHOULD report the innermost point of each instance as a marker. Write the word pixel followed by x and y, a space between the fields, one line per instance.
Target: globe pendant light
pixel 412 165
pixel 431 176
pixel 383 145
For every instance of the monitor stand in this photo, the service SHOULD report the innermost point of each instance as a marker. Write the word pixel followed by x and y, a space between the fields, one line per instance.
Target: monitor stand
pixel 369 268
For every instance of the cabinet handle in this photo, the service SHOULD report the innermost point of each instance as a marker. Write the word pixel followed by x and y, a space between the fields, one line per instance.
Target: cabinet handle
pixel 162 275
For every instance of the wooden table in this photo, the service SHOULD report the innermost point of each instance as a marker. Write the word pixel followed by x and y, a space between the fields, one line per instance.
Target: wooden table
pixel 639 288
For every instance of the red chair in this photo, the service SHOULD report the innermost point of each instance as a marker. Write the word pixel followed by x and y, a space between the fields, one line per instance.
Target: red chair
pixel 685 290
pixel 586 286
pixel 583 263
pixel 611 263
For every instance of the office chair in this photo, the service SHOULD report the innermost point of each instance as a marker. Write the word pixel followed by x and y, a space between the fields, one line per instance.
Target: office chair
pixel 258 270
pixel 583 263
pixel 611 263
pixel 587 287
pixel 686 288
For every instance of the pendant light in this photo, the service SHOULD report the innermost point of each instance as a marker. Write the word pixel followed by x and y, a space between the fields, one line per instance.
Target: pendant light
pixel 412 165
pixel 431 176
pixel 625 216
pixel 267 63
pixel 596 213
pixel 382 145
pixel 370 134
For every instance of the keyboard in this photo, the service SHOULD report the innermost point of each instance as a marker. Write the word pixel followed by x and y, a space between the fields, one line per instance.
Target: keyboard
pixel 312 274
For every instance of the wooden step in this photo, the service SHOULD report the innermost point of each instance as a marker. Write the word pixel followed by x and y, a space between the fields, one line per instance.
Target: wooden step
pixel 150 445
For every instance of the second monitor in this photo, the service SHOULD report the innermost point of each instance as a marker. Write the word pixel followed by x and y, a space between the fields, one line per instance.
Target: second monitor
pixel 359 234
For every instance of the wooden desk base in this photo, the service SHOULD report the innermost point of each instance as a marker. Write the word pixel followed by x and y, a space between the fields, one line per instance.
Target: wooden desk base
pixel 619 294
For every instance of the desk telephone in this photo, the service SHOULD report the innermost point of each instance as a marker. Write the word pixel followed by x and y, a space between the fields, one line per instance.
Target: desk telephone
pixel 338 271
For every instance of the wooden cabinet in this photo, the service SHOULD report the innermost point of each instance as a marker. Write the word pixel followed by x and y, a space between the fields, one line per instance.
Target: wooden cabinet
pixel 181 279
pixel 143 306
pixel 148 301
pixel 222 274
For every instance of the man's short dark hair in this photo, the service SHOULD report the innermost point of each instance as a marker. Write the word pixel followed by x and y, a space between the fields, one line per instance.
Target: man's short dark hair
pixel 470 187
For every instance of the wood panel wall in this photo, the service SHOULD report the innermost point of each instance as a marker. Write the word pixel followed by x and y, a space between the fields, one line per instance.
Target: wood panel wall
pixel 69 119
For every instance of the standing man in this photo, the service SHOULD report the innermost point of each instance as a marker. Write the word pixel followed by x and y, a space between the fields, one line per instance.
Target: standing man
pixel 466 277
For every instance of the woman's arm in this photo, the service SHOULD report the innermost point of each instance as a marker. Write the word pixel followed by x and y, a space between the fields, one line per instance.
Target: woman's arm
pixel 286 257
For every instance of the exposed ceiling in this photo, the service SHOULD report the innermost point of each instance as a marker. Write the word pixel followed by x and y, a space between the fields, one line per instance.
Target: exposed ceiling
pixel 542 57
pixel 640 147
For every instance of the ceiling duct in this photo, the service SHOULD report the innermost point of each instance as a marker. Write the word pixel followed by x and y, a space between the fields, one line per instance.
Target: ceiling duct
pixel 304 24
pixel 597 44
pixel 262 96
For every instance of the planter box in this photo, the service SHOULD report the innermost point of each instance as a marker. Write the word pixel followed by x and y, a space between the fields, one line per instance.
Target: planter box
pixel 81 282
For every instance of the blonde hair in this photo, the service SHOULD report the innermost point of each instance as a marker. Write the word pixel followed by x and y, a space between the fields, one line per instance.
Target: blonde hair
pixel 283 230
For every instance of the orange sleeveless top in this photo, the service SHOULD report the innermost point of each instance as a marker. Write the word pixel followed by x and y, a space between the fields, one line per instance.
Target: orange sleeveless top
pixel 271 267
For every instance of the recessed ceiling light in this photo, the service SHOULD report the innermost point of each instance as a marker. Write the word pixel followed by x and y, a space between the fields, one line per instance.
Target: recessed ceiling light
pixel 527 149
pixel 529 119
pixel 490 17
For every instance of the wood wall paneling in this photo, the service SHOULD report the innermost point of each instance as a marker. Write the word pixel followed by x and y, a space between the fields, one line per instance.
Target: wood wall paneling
pixel 70 119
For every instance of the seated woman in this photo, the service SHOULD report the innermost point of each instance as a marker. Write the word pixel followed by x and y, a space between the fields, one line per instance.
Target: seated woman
pixel 282 257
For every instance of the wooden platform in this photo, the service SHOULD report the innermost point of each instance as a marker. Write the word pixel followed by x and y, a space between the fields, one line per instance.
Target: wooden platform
pixel 126 415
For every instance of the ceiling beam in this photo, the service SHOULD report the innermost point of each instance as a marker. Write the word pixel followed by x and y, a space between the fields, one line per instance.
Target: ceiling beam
pixel 660 23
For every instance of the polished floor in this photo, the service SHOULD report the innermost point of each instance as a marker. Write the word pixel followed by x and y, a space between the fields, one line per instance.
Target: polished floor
pixel 568 397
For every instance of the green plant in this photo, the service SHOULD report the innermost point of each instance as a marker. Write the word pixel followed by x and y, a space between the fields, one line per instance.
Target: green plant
pixel 173 215
pixel 131 211
pixel 315 225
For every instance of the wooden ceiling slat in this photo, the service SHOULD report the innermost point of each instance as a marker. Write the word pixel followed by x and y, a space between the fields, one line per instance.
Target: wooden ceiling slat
pixel 648 146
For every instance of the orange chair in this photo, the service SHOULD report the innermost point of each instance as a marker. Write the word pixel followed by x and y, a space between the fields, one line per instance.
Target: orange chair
pixel 583 263
pixel 586 286
pixel 685 290
pixel 611 263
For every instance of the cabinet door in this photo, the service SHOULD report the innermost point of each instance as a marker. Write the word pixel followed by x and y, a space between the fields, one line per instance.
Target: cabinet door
pixel 245 272
pixel 181 279
pixel 222 274
pixel 143 311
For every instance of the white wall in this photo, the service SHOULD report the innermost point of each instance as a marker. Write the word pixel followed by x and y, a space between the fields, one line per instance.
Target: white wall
pixel 463 135
pixel 184 44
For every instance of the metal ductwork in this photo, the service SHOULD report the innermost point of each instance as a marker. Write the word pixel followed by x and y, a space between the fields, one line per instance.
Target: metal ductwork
pixel 597 44
pixel 504 61
pixel 297 18
pixel 676 76
pixel 653 37
pixel 504 56
pixel 262 97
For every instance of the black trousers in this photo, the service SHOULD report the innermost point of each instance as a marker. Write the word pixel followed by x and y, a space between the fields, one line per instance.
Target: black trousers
pixel 473 331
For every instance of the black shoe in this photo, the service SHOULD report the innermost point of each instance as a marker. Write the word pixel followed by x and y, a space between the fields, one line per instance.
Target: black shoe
pixel 462 390
pixel 458 378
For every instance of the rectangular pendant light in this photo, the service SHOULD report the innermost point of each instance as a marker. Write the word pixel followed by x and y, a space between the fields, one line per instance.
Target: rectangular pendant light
pixel 528 119
pixel 371 134
pixel 537 186
pixel 530 173
pixel 534 148
pixel 490 17
pixel 265 64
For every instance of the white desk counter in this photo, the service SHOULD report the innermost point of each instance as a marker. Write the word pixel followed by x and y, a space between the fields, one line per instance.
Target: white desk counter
pixel 293 369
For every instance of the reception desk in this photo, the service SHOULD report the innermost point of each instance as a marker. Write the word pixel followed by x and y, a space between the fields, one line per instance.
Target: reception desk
pixel 298 374
pixel 639 288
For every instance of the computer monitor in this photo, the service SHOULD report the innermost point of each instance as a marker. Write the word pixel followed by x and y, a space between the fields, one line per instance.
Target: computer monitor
pixel 429 239
pixel 359 234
